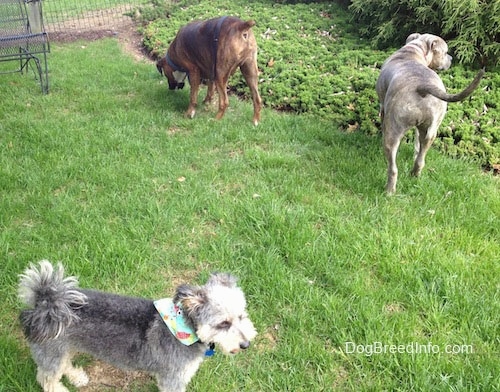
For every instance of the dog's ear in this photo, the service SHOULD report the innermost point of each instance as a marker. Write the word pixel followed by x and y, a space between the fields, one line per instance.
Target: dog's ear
pixel 191 297
pixel 245 26
pixel 222 279
pixel 159 65
pixel 412 37
pixel 438 44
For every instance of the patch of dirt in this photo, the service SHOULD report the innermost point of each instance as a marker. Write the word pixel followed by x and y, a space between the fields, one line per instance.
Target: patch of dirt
pixel 104 377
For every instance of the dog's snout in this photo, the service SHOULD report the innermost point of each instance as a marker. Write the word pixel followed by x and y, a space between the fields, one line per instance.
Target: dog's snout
pixel 175 85
pixel 244 345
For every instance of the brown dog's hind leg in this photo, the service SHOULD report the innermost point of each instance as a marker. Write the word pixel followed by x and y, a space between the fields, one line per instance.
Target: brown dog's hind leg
pixel 221 84
pixel 251 74
pixel 194 81
pixel 210 92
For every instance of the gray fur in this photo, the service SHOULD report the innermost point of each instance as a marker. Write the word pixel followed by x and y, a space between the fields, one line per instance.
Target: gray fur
pixel 55 301
pixel 127 332
pixel 411 94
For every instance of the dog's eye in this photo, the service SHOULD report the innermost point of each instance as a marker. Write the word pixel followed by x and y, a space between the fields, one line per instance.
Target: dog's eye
pixel 224 325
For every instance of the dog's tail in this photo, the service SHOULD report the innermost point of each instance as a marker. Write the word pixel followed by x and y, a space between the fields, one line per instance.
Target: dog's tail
pixel 52 299
pixel 433 90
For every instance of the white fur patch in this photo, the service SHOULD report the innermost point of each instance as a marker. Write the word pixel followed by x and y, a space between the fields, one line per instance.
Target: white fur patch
pixel 179 76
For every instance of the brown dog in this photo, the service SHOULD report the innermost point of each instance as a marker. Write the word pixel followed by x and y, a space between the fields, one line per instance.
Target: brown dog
pixel 411 94
pixel 212 50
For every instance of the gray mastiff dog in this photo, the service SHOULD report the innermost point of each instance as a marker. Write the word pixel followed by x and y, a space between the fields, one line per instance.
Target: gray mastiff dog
pixel 411 94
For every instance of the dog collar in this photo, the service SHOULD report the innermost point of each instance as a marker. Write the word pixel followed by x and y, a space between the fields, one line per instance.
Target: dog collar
pixel 215 45
pixel 174 66
pixel 173 316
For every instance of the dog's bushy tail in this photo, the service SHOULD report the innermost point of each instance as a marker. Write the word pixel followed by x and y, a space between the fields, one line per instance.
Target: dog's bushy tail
pixel 52 299
pixel 433 90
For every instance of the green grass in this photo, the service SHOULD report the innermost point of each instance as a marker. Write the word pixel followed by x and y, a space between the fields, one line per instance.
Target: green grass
pixel 106 175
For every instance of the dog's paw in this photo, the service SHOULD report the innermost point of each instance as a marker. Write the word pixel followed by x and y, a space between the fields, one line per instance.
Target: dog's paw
pixel 190 113
pixel 77 377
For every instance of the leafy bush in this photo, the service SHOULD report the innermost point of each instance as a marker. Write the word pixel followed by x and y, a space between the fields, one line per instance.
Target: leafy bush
pixel 472 27
pixel 310 61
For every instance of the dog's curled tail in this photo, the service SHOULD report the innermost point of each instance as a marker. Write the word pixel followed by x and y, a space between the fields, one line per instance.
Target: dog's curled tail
pixel 433 90
pixel 52 299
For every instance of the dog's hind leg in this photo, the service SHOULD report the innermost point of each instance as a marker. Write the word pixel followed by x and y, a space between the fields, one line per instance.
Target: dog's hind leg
pixel 50 359
pixel 210 92
pixel 423 141
pixel 391 144
pixel 76 376
pixel 49 377
pixel 251 72
pixel 221 84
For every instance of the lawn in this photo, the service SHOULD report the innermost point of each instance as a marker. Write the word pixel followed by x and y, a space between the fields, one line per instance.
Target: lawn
pixel 107 176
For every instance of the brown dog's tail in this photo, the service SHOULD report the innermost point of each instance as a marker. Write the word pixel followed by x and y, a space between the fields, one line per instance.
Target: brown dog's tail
pixel 435 91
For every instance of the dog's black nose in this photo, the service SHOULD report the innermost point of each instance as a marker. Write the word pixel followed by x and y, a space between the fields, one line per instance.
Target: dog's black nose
pixel 244 345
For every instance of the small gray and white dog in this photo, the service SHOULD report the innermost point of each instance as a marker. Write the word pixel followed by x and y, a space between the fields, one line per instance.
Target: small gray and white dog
pixel 168 338
pixel 411 94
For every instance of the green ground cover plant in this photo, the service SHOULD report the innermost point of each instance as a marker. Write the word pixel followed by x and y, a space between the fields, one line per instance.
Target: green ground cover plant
pixel 106 175
pixel 312 61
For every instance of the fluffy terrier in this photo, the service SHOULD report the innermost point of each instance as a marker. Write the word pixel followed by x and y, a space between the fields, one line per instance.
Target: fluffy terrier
pixel 168 338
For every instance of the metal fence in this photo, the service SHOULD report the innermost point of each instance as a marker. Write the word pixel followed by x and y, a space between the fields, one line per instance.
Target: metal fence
pixel 67 15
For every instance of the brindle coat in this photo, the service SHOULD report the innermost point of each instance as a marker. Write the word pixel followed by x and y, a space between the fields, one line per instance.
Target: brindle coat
pixel 212 50
pixel 411 94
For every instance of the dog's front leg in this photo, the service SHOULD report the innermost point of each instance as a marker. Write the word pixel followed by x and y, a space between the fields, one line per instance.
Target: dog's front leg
pixel 178 375
pixel 194 81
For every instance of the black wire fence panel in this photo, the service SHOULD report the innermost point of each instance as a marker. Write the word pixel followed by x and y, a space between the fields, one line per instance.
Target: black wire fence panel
pixel 64 15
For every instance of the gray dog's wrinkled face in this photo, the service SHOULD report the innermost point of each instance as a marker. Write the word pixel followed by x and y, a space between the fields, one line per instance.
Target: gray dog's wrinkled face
pixel 218 310
pixel 435 50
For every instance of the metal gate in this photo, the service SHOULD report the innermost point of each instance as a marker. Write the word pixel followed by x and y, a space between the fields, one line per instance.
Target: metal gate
pixel 64 15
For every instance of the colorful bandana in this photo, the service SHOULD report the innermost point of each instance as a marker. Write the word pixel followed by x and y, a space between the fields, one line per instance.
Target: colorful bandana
pixel 173 317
